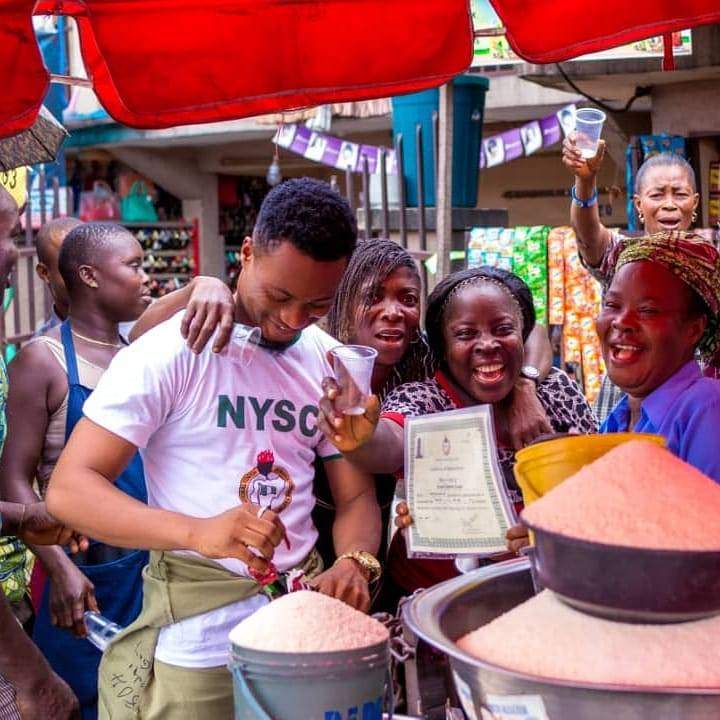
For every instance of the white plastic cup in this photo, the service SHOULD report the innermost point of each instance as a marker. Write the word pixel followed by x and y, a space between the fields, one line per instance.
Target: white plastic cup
pixel 588 128
pixel 100 630
pixel 244 341
pixel 353 366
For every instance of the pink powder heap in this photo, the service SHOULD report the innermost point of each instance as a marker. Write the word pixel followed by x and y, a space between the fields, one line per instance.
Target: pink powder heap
pixel 306 622
pixel 546 638
pixel 636 495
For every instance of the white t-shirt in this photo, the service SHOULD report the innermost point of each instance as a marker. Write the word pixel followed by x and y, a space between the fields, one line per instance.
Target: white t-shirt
pixel 213 433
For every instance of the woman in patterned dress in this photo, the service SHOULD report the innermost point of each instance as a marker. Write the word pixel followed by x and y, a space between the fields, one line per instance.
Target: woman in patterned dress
pixel 477 321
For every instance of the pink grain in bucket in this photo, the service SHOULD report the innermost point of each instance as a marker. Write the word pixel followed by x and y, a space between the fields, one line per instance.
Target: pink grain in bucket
pixel 636 495
pixel 307 622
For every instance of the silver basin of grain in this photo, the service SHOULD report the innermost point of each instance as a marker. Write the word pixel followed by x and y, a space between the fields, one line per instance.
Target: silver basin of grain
pixel 446 612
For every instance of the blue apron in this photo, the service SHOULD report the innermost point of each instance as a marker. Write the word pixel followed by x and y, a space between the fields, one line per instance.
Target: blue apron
pixel 115 572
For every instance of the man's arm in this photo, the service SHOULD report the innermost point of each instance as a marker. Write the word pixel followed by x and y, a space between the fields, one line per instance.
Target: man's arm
pixel 357 527
pixel 209 304
pixel 82 495
pixel 538 351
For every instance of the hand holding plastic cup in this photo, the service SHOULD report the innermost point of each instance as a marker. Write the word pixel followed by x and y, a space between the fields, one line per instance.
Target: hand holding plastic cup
pixel 353 366
pixel 588 128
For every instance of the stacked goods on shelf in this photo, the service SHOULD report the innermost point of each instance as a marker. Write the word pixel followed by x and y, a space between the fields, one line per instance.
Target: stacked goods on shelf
pixel 575 301
pixel 521 250
pixel 530 264
pixel 169 254
pixel 564 292
pixel 240 199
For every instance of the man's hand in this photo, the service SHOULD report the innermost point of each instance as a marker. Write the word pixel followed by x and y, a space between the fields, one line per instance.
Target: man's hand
pixel 584 168
pixel 71 594
pixel 517 538
pixel 211 306
pixel 41 528
pixel 527 418
pixel 46 695
pixel 346 581
pixel 346 432
pixel 237 532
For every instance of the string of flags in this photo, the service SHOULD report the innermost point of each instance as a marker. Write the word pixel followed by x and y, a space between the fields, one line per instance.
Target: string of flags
pixel 495 150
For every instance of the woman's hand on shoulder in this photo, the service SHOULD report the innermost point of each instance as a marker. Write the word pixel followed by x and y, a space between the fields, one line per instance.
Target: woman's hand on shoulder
pixel 211 307
pixel 346 432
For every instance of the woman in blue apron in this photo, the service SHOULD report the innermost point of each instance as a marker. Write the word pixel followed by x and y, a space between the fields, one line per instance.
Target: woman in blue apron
pixel 116 573
pixel 52 376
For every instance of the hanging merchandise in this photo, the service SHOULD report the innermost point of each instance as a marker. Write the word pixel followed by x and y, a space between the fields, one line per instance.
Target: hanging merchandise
pixel 580 294
pixel 521 250
pixel 137 206
pixel 100 203
pixel 564 293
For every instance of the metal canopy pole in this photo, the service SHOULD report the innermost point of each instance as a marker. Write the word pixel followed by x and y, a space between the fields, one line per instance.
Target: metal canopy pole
pixel 443 204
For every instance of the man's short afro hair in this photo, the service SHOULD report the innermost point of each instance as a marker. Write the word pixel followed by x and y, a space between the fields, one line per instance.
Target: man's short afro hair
pixel 316 219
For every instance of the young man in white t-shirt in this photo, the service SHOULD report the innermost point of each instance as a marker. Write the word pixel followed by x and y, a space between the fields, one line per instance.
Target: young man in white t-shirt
pixel 228 452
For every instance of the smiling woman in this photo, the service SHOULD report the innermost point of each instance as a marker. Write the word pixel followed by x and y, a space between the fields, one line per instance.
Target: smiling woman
pixel 477 322
pixel 662 306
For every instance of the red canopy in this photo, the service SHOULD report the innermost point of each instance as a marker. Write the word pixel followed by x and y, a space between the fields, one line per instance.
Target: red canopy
pixel 158 63
pixel 548 31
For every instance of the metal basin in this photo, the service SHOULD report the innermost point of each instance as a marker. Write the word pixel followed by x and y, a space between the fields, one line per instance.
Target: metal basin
pixel 443 614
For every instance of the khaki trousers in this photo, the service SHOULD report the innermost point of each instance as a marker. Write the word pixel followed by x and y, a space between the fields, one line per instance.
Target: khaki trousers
pixel 179 693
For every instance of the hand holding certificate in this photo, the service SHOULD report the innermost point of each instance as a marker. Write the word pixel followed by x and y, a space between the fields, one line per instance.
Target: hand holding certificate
pixel 455 489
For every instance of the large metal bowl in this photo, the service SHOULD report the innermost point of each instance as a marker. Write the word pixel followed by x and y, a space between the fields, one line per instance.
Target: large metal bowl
pixel 446 612
pixel 627 583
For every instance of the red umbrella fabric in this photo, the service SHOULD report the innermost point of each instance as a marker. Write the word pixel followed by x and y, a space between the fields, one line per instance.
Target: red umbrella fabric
pixel 159 63
pixel 556 30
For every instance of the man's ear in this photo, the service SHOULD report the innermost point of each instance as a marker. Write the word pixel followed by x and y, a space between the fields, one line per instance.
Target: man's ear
pixel 87 274
pixel 41 270
pixel 247 252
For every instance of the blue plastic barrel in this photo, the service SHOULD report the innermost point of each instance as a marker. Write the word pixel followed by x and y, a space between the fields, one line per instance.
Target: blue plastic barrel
pixel 417 108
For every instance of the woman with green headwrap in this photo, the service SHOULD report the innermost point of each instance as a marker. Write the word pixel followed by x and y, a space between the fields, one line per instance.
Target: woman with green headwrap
pixel 661 306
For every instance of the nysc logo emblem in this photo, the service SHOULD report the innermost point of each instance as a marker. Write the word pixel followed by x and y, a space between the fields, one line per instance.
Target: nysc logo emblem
pixel 267 485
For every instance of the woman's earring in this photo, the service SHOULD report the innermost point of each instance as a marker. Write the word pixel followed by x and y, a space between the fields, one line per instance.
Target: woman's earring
pixel 694 216
pixel 641 218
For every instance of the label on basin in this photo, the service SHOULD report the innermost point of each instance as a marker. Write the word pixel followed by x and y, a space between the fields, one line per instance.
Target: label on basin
pixel 514 707
pixel 465 695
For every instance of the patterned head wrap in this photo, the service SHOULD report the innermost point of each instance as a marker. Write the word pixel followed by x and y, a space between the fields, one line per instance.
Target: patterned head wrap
pixel 690 257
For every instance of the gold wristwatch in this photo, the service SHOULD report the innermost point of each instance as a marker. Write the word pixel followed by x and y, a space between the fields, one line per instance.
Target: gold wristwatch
pixel 367 562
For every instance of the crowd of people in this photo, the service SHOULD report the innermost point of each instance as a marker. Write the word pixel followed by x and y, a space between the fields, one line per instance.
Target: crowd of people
pixel 159 480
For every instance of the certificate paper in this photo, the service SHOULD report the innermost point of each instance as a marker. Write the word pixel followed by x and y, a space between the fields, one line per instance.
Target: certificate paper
pixel 455 489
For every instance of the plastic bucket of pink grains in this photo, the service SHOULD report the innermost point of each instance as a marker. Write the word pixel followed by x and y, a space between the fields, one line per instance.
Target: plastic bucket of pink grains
pixel 306 655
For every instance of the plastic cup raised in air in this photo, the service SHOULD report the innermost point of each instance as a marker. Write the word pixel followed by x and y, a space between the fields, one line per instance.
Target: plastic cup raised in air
pixel 588 127
pixel 353 366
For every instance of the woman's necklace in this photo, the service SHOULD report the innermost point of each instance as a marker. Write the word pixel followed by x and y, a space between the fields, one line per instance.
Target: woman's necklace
pixel 97 342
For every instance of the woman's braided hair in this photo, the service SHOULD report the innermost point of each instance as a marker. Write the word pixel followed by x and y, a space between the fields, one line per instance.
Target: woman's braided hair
pixel 370 265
